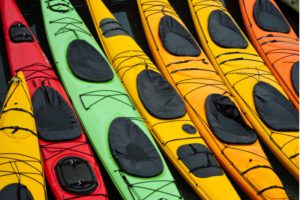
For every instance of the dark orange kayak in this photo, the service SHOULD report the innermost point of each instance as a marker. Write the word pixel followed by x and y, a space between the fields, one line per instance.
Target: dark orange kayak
pixel 209 102
pixel 249 80
pixel 275 41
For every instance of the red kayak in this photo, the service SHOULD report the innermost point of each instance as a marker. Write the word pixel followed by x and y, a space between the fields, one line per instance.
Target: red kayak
pixel 69 163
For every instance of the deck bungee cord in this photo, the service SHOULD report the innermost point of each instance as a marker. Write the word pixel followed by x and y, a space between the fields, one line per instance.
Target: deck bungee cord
pixel 69 164
pixel 21 170
pixel 255 89
pixel 38 71
pixel 210 104
pixel 132 188
pixel 116 130
pixel 102 95
pixel 69 24
pixel 162 107
pixel 275 41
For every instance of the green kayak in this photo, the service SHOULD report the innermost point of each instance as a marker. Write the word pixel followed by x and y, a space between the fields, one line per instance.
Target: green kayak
pixel 111 121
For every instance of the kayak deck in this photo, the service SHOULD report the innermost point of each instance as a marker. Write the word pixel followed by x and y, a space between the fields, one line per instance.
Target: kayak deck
pixel 110 119
pixel 21 170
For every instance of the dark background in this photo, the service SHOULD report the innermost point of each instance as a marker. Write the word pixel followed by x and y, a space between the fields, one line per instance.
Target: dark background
pixel 31 11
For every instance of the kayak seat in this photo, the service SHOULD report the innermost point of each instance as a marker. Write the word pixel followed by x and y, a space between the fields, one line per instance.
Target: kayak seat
pixel 18 33
pixel 226 121
pixel 75 175
pixel 176 39
pixel 55 119
pixel 199 160
pixel 269 18
pixel 158 96
pixel 133 150
pixel 110 27
pixel 274 109
pixel 295 76
pixel 15 191
pixel 224 32
pixel 87 63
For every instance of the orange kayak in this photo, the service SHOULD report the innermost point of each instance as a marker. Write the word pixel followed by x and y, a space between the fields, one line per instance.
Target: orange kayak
pixel 249 80
pixel 209 103
pixel 275 41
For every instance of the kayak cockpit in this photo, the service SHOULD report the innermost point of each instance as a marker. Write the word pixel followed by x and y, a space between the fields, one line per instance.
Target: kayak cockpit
pixel 269 18
pixel 87 63
pixel 176 39
pixel 132 149
pixel 55 120
pixel 226 121
pixel 274 109
pixel 158 96
pixel 224 32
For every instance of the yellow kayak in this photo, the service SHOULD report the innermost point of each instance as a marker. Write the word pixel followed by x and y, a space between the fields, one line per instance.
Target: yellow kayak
pixel 21 170
pixel 209 102
pixel 257 92
pixel 162 109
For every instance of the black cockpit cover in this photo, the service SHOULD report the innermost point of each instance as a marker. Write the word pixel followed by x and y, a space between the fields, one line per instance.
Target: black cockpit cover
pixel 55 120
pixel 176 39
pixel 19 33
pixel 158 96
pixel 269 18
pixel 274 109
pixel 132 149
pixel 75 175
pixel 199 160
pixel 295 77
pixel 110 28
pixel 87 63
pixel 15 191
pixel 226 122
pixel 224 32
